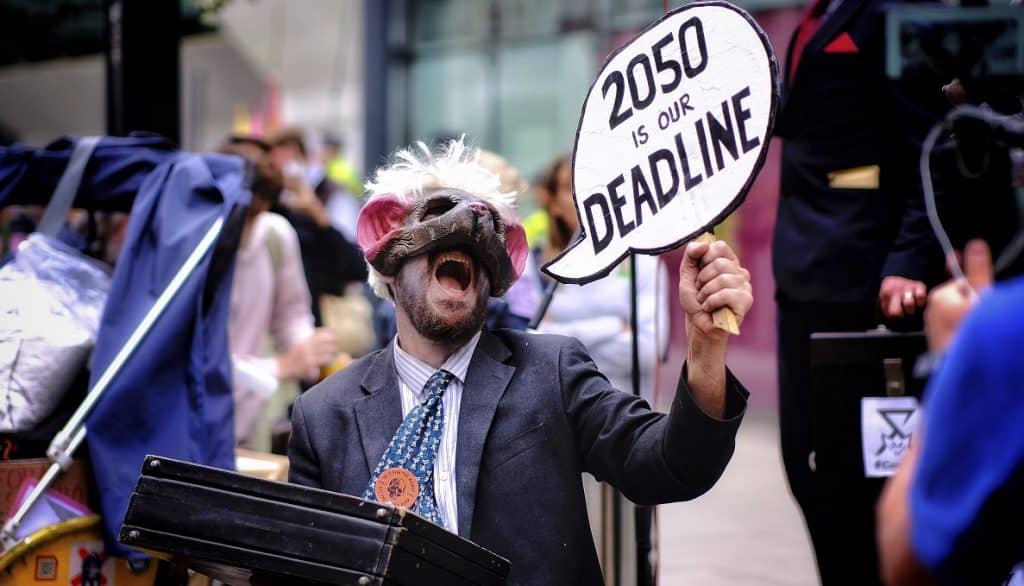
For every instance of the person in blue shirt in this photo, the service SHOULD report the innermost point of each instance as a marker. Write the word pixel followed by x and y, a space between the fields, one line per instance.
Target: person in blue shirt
pixel 952 513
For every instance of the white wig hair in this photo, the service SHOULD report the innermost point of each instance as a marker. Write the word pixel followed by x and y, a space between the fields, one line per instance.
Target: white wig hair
pixel 453 164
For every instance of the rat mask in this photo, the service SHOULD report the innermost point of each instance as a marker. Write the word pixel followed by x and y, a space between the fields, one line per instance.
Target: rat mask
pixel 391 231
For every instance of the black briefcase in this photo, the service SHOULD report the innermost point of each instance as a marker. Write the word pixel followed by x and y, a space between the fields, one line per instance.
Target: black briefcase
pixel 245 530
pixel 845 368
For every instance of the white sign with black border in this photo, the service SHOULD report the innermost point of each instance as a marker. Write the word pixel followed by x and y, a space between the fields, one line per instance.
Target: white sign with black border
pixel 672 134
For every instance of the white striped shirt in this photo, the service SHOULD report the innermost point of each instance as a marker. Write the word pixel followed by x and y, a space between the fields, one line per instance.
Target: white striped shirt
pixel 413 374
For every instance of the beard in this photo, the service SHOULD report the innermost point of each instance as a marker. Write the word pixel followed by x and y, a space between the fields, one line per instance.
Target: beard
pixel 447 321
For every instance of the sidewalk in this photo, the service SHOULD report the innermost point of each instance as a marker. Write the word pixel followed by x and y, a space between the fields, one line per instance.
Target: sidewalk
pixel 747 530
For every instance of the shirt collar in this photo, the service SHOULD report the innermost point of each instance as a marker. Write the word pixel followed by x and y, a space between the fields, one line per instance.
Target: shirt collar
pixel 414 373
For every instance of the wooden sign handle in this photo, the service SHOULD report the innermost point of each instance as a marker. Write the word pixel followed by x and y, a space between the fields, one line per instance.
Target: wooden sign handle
pixel 724 318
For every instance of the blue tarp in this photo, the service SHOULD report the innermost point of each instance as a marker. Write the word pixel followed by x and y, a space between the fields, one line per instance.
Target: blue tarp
pixel 115 171
pixel 173 397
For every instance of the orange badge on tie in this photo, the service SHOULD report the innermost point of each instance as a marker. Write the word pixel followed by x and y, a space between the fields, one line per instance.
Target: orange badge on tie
pixel 397 486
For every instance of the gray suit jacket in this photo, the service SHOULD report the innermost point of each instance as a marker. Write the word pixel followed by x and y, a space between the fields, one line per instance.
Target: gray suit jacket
pixel 535 413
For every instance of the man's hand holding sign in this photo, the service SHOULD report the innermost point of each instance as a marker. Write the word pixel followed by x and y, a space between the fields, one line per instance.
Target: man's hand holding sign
pixel 711 281
pixel 673 132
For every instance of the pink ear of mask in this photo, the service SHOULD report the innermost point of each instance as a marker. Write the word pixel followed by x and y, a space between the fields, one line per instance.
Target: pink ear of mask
pixel 379 221
pixel 515 244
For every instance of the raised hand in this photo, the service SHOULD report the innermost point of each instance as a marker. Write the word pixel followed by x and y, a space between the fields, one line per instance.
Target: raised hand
pixel 710 278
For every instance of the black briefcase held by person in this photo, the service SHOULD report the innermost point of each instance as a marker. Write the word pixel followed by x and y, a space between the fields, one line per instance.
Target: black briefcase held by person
pixel 865 398
pixel 245 530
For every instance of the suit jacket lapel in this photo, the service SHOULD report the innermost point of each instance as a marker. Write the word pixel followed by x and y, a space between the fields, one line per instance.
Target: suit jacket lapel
pixel 787 74
pixel 825 34
pixel 486 381
pixel 379 414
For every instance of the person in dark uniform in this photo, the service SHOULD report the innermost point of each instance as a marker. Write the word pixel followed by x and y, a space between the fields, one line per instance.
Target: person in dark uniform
pixel 852 242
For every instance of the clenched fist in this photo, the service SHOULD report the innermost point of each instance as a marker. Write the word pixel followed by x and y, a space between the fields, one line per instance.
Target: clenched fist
pixel 711 278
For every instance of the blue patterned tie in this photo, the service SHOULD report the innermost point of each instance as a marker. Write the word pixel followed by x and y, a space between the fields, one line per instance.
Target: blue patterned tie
pixel 414 447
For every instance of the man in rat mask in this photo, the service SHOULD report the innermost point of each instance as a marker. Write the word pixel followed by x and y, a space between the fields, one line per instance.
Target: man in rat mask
pixel 487 433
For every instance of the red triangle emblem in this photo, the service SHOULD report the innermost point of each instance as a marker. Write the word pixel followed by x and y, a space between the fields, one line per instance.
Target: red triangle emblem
pixel 842 44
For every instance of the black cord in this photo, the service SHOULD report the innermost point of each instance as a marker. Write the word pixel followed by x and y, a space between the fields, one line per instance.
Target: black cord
pixel 1012 130
pixel 545 301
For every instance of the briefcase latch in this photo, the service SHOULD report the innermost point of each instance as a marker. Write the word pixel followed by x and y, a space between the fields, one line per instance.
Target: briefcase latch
pixel 894 384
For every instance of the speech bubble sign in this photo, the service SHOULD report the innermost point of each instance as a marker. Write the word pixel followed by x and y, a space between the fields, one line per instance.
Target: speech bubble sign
pixel 672 134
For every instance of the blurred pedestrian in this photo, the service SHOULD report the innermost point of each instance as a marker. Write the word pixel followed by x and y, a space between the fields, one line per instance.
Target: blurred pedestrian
pixel 304 176
pixel 598 313
pixel 516 308
pixel 333 263
pixel 270 326
pixel 337 167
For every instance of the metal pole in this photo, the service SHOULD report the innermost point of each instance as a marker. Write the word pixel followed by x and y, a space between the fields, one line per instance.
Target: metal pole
pixel 545 301
pixel 376 101
pixel 549 293
pixel 641 514
pixel 143 67
pixel 63 446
